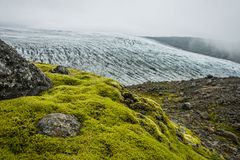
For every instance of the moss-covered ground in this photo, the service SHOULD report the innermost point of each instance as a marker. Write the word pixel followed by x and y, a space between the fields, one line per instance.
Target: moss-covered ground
pixel 112 128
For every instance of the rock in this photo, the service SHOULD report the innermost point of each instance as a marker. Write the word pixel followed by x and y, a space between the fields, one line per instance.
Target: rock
pixel 237 126
pixel 181 93
pixel 228 135
pixel 237 157
pixel 209 81
pixel 59 125
pixel 139 106
pixel 187 116
pixel 187 106
pixel 228 149
pixel 60 70
pixel 204 115
pixel 129 98
pixel 193 84
pixel 209 76
pixel 18 77
pixel 215 143
pixel 160 93
pixel 211 143
pixel 210 129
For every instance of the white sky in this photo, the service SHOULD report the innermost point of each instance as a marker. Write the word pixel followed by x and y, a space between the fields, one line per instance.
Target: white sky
pixel 215 19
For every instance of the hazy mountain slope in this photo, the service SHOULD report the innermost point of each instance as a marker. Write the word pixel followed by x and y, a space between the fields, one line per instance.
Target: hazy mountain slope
pixel 212 48
pixel 131 60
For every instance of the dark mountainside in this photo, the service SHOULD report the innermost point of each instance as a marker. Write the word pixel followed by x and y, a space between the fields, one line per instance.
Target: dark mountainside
pixel 18 77
pixel 199 45
pixel 208 106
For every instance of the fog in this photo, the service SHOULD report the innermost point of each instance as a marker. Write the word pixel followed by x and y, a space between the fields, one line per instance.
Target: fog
pixel 213 19
pixel 219 49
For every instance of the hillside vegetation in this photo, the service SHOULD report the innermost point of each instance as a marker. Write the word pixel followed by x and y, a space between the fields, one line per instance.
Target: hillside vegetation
pixel 114 124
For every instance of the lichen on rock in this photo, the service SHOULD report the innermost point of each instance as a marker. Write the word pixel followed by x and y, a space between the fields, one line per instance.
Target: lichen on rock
pixel 18 77
pixel 59 125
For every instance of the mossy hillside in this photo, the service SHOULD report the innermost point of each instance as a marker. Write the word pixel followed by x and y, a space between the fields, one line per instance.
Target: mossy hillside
pixel 111 128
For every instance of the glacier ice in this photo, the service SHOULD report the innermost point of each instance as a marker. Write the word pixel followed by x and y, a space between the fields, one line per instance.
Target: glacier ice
pixel 128 59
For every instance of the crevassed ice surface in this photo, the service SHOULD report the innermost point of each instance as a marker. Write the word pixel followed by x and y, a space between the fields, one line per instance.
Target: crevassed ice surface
pixel 128 59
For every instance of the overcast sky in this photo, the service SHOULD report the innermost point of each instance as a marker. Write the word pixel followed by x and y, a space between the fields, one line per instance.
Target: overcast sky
pixel 216 19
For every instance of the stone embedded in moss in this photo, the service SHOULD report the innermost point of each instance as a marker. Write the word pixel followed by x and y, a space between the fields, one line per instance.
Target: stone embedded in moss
pixel 129 98
pixel 60 70
pixel 59 125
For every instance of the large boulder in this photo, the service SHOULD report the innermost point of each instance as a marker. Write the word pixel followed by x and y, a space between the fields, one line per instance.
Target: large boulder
pixel 18 77
pixel 59 125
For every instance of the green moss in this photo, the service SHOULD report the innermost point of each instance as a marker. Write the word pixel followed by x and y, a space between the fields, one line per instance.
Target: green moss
pixel 111 129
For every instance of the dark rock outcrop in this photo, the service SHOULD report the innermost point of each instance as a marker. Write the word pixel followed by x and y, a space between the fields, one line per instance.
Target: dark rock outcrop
pixel 59 125
pixel 18 77
pixel 214 112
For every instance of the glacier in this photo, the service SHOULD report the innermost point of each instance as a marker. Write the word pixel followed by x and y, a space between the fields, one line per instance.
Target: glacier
pixel 128 59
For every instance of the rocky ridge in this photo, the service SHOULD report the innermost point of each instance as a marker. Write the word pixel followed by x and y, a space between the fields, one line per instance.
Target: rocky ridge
pixel 208 106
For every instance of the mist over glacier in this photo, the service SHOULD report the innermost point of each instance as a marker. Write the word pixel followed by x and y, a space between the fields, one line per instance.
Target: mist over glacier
pixel 128 59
